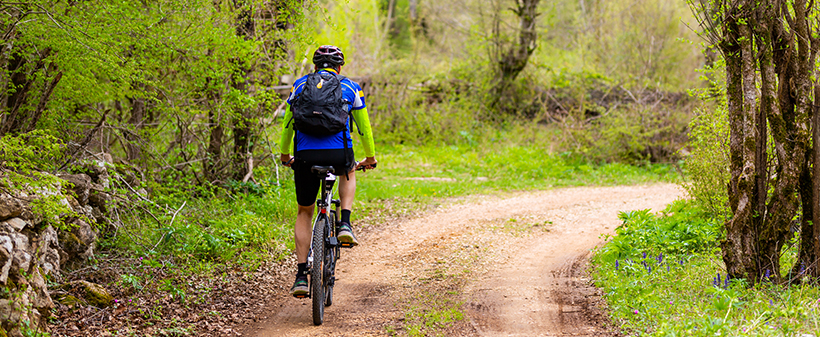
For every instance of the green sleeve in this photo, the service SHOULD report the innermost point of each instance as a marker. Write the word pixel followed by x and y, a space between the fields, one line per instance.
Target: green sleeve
pixel 286 142
pixel 363 122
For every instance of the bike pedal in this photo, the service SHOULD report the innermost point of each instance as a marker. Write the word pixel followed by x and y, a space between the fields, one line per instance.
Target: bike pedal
pixel 346 245
pixel 302 296
pixel 333 241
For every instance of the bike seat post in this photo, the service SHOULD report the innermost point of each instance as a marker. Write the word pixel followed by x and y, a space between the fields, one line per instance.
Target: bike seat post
pixel 329 180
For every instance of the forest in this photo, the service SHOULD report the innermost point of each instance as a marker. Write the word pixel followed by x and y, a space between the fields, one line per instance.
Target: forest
pixel 141 191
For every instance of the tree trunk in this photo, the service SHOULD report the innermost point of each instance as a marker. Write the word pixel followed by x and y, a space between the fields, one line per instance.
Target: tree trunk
pixel 133 150
pixel 806 114
pixel 214 158
pixel 414 15
pixel 765 203
pixel 739 248
pixel 810 239
pixel 242 132
pixel 515 59
pixel 21 113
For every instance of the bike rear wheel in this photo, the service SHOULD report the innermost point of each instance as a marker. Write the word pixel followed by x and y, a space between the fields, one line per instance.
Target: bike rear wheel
pixel 317 281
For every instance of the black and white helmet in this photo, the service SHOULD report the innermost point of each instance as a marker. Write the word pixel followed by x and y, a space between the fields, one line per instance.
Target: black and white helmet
pixel 328 56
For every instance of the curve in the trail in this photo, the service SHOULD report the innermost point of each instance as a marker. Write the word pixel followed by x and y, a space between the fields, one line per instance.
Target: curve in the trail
pixel 526 285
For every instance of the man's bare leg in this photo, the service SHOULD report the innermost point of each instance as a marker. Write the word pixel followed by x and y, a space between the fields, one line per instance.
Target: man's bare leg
pixel 347 190
pixel 302 232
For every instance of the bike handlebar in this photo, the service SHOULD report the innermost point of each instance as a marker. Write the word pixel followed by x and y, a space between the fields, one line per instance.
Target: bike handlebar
pixel 362 168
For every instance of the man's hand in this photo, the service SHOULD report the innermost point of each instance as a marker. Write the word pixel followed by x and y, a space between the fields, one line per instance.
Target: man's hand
pixel 286 159
pixel 367 164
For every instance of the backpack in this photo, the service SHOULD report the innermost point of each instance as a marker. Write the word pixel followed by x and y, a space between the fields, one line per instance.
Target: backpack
pixel 319 109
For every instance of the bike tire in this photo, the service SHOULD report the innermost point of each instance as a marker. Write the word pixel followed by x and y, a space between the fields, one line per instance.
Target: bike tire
pixel 317 291
pixel 331 255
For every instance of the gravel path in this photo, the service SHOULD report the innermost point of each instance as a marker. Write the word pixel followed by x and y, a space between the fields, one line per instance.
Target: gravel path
pixel 513 264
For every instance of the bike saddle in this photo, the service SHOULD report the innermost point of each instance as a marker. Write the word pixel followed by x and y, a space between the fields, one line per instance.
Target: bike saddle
pixel 322 169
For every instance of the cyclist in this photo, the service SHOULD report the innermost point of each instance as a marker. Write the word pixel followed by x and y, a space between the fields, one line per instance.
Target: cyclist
pixel 330 150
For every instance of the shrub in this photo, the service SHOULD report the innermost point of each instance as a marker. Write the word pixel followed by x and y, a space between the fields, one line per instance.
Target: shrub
pixel 683 229
pixel 25 162
pixel 707 156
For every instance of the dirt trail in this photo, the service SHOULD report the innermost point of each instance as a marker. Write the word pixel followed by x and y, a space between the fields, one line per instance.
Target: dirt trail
pixel 515 264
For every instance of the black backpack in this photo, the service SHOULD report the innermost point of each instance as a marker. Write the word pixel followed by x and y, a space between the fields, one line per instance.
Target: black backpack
pixel 319 109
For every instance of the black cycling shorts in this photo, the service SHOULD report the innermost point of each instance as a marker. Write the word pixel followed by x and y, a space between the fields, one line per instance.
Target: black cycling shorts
pixel 307 183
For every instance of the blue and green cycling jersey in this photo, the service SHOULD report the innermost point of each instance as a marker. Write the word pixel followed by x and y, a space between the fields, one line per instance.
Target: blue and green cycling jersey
pixel 352 92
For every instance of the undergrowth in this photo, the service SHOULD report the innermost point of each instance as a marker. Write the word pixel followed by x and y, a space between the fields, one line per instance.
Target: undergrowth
pixel 251 223
pixel 663 276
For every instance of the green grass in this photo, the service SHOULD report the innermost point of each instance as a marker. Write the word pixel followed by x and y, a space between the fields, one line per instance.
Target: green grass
pixel 204 231
pixel 431 314
pixel 679 293
pixel 254 221
pixel 443 171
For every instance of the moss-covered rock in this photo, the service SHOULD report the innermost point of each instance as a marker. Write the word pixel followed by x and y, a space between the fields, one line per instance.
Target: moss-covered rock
pixel 67 300
pixel 92 293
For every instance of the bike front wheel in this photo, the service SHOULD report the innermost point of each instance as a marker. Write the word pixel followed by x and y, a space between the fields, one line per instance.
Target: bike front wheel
pixel 317 291
pixel 331 255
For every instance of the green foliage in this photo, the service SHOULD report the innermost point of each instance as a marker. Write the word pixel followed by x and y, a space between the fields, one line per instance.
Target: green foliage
pixel 640 44
pixel 707 163
pixel 255 220
pixel 131 281
pixel 683 230
pixel 164 73
pixel 631 134
pixel 24 164
pixel 684 290
pixel 28 331
pixel 219 229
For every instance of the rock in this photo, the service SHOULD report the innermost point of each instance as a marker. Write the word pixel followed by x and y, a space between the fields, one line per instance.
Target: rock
pixel 21 258
pixel 10 207
pixel 94 294
pixel 73 203
pixel 40 298
pixel 30 251
pixel 14 311
pixel 100 200
pixel 82 185
pixel 68 300
pixel 78 243
pixel 99 173
pixel 6 248
pixel 30 217
pixel 49 258
pixel 16 223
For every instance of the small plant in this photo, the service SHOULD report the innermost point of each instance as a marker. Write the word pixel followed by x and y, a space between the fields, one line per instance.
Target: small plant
pixel 655 285
pixel 131 281
pixel 28 331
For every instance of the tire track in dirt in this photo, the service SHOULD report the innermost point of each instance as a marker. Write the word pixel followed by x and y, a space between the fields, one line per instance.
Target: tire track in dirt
pixel 517 263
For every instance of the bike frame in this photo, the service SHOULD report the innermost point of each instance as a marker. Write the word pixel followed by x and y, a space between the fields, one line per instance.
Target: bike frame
pixel 323 209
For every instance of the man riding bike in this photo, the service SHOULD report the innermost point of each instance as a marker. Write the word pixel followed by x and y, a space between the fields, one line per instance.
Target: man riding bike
pixel 334 150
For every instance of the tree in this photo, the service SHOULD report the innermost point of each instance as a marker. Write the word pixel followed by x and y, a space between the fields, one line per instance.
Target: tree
pixel 769 49
pixel 186 87
pixel 511 57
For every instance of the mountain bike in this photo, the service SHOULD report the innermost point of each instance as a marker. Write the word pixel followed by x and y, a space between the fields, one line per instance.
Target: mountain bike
pixel 324 245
